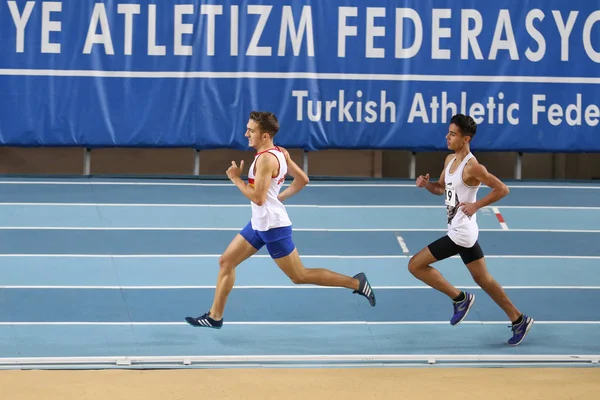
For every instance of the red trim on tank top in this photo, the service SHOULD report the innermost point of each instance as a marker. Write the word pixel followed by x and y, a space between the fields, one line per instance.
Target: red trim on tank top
pixel 277 158
pixel 264 151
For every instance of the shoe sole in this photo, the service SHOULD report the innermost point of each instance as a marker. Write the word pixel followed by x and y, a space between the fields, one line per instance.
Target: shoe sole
pixel 370 287
pixel 201 326
pixel 466 312
pixel 372 292
pixel 531 321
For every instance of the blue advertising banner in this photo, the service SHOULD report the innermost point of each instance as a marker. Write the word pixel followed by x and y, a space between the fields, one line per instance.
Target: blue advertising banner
pixel 377 74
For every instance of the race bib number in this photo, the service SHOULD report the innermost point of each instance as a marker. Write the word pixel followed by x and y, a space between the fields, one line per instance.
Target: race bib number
pixel 450 196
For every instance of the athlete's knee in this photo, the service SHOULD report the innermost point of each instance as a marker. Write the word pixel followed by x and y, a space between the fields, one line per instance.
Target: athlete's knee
pixel 414 265
pixel 483 279
pixel 299 277
pixel 226 264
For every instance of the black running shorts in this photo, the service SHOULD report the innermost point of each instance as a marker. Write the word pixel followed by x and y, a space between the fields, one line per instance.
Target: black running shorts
pixel 444 247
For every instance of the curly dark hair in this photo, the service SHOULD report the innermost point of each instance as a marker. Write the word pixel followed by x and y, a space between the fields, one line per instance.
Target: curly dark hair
pixel 467 125
pixel 267 121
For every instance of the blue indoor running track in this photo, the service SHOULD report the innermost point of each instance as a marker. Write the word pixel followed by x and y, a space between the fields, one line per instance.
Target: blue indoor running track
pixel 101 272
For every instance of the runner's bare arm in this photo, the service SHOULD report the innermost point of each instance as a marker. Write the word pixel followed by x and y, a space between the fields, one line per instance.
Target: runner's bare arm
pixel 257 193
pixel 481 174
pixel 300 178
pixel 438 187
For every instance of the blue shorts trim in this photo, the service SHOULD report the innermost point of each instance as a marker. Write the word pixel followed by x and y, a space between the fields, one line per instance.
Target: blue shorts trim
pixel 278 240
pixel 252 236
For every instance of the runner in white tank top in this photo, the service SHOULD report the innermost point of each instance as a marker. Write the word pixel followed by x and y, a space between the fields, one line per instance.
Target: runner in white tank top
pixel 270 225
pixel 271 214
pixel 462 228
pixel 459 182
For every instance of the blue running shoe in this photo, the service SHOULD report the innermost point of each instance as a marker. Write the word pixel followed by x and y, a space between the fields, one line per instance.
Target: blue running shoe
pixel 204 321
pixel 461 308
pixel 520 330
pixel 364 288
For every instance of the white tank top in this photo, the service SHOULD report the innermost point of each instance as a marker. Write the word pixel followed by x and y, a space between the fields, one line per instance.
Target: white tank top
pixel 463 230
pixel 272 214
